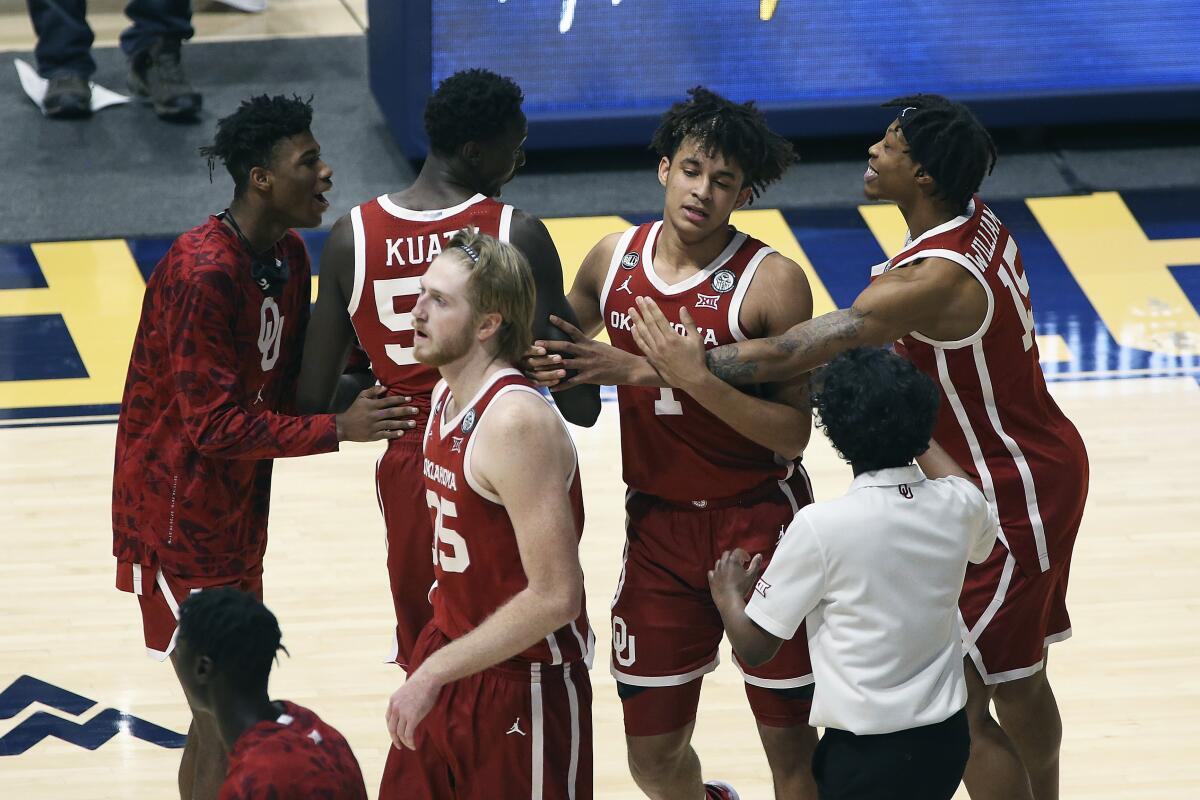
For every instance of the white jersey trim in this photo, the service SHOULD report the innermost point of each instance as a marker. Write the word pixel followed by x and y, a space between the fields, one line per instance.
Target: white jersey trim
pixel 964 424
pixel 965 263
pixel 664 680
pixel 614 262
pixel 774 683
pixel 537 734
pixel 447 425
pixel 695 280
pixel 506 214
pixel 950 225
pixel 573 704
pixel 432 215
pixel 360 258
pixel 435 397
pixel 469 470
pixel 739 294
pixel 1031 502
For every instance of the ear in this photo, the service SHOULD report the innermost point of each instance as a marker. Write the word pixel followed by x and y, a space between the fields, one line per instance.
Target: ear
pixel 664 168
pixel 743 197
pixel 471 153
pixel 922 176
pixel 489 325
pixel 261 178
pixel 203 671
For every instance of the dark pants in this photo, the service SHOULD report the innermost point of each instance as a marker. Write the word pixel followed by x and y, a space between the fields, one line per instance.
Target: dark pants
pixel 917 764
pixel 65 39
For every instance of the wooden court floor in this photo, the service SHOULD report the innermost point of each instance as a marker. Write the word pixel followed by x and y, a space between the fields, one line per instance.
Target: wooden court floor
pixel 1126 681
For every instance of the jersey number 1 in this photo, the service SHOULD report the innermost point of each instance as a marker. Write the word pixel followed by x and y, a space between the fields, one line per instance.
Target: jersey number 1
pixel 666 405
pixel 1018 287
pixel 457 559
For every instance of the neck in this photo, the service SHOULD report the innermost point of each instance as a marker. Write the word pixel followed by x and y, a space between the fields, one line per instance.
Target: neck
pixel 924 215
pixel 466 375
pixel 440 184
pixel 671 250
pixel 240 714
pixel 256 223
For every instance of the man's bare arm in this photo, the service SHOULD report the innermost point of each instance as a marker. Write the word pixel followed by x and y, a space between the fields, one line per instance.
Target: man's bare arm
pixel 922 297
pixel 579 404
pixel 330 333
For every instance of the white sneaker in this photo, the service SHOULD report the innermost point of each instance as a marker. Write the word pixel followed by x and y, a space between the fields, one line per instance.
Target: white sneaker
pixel 720 790
pixel 249 6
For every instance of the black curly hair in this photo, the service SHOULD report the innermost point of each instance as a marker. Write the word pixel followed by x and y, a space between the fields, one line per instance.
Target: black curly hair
pixel 473 105
pixel 876 408
pixel 738 131
pixel 946 139
pixel 247 138
pixel 237 632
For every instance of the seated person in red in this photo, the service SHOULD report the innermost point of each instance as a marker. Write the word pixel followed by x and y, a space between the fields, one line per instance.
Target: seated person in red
pixel 276 749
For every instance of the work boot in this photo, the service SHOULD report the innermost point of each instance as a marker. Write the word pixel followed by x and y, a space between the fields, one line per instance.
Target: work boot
pixel 156 75
pixel 69 96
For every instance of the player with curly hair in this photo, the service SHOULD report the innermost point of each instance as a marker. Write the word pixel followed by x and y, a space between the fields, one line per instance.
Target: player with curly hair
pixel 876 574
pixel 709 468
pixel 956 301
pixel 209 399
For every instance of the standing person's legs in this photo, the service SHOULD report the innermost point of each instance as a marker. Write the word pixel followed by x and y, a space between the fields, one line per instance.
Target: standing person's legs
pixel 994 771
pixel 400 488
pixel 153 20
pixel 1029 714
pixel 64 42
pixel 203 764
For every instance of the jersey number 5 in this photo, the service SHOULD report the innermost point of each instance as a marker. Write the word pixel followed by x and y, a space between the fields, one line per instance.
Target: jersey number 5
pixel 456 558
pixel 386 292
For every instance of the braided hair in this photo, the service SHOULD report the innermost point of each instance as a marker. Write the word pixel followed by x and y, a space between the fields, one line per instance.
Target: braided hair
pixel 738 131
pixel 246 138
pixel 237 632
pixel 473 105
pixel 948 142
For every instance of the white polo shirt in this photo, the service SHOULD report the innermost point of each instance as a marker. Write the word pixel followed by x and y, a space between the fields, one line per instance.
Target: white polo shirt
pixel 877 572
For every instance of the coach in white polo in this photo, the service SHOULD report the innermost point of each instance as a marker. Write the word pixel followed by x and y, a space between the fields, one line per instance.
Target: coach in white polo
pixel 877 573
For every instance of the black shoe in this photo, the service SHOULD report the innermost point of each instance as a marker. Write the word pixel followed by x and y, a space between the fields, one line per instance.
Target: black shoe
pixel 68 97
pixel 156 74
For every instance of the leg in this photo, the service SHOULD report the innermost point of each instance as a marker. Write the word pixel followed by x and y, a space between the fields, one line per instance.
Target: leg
pixel 64 39
pixel 790 755
pixel 665 766
pixel 1029 715
pixel 994 770
pixel 155 19
pixel 203 765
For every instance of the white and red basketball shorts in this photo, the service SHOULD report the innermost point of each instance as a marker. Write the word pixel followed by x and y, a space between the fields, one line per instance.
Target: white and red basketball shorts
pixel 160 593
pixel 1009 617
pixel 400 485
pixel 516 731
pixel 666 628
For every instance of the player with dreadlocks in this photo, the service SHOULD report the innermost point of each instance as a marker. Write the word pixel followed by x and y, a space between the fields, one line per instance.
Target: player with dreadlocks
pixel 226 643
pixel 709 468
pixel 210 395
pixel 956 302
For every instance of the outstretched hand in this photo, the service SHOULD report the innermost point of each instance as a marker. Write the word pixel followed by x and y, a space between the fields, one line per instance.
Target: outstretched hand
pixel 731 579
pixel 547 362
pixel 679 358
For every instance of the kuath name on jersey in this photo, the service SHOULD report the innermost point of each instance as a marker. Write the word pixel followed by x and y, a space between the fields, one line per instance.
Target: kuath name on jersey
pixel 623 322
pixel 440 474
pixel 421 249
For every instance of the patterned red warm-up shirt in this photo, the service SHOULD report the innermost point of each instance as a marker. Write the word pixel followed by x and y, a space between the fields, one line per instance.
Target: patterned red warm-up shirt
pixel 295 757
pixel 207 404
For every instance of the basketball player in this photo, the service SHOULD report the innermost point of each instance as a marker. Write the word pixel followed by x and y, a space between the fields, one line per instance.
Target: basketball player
pixel 709 468
pixel 371 271
pixel 210 391
pixel 277 750
pixel 497 704
pixel 956 301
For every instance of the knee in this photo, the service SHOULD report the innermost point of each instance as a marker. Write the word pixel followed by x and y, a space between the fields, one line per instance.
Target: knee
pixel 789 750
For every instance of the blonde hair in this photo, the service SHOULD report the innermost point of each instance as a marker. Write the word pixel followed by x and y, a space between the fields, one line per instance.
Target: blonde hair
pixel 501 282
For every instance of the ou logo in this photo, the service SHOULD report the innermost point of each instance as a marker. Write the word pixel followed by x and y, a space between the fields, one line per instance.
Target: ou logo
pixel 270 332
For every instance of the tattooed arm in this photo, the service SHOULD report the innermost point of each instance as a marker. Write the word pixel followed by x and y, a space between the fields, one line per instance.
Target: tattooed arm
pixel 935 296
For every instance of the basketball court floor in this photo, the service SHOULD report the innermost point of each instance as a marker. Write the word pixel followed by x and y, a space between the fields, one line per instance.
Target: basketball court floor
pixel 1115 282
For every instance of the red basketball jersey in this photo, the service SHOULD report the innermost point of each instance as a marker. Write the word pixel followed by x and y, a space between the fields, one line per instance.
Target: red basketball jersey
pixel 671 446
pixel 475 556
pixel 393 246
pixel 997 418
